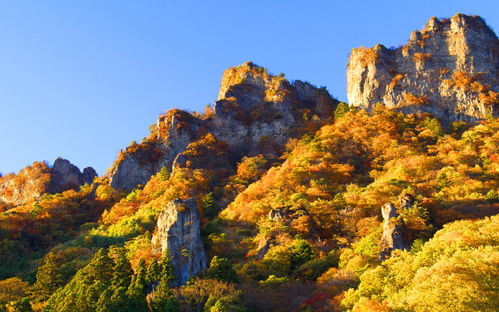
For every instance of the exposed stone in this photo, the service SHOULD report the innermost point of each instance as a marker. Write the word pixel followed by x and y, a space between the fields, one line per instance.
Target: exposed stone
pixel 255 113
pixel 392 231
pixel 33 181
pixel 139 162
pixel 406 201
pixel 264 245
pixel 67 176
pixel 89 175
pixel 178 231
pixel 449 69
pixel 275 215
pixel 254 106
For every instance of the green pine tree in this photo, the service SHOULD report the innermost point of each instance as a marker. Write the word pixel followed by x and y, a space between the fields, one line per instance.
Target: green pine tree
pixel 48 277
pixel 164 301
pixel 209 208
pixel 101 267
pixel 221 269
pixel 167 269
pixel 153 274
pixel 341 110
pixel 136 298
pixel 122 271
pixel 104 302
pixel 22 305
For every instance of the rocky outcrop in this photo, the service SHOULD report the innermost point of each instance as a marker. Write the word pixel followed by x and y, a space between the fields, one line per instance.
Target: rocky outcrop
pixel 33 181
pixel 66 176
pixel 255 108
pixel 255 112
pixel 178 232
pixel 449 69
pixel 172 134
pixel 392 231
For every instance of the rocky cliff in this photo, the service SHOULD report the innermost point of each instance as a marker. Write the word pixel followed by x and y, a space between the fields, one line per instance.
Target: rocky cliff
pixel 255 112
pixel 178 232
pixel 449 69
pixel 255 108
pixel 392 231
pixel 33 181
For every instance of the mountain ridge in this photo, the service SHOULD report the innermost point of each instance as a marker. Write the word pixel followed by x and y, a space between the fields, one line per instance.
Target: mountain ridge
pixel 280 198
pixel 450 69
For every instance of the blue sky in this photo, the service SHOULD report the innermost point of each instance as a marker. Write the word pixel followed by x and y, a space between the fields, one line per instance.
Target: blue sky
pixel 81 79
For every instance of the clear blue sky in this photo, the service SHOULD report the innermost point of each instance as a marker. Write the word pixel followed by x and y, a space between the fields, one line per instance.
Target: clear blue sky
pixel 81 79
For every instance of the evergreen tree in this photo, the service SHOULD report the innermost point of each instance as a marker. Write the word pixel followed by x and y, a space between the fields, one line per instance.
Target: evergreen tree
pixel 209 208
pixel 86 287
pixel 167 269
pixel 341 110
pixel 137 291
pixel 114 301
pixel 301 252
pixel 221 269
pixel 122 271
pixel 92 295
pixel 101 267
pixel 153 274
pixel 104 303
pixel 21 305
pixel 136 298
pixel 139 281
pixel 164 300
pixel 433 124
pixel 48 277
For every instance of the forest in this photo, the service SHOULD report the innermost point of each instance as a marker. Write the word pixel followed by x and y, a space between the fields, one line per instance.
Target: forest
pixel 315 210
pixel 279 197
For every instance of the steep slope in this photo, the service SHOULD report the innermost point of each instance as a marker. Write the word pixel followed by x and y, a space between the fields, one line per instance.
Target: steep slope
pixel 35 180
pixel 454 271
pixel 450 69
pixel 268 203
pixel 255 112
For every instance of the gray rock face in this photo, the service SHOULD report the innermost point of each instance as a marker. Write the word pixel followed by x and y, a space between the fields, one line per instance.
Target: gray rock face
pixel 33 181
pixel 175 131
pixel 178 231
pixel 392 231
pixel 449 69
pixel 254 107
pixel 406 201
pixel 67 176
pixel 88 175
pixel 254 112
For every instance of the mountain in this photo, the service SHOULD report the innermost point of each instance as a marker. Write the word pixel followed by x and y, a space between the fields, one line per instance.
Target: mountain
pixel 255 112
pixel 450 69
pixel 281 198
pixel 33 181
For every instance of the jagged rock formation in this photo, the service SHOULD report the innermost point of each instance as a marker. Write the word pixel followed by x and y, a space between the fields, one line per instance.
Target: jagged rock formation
pixel 255 113
pixel 35 180
pixel 65 176
pixel 392 231
pixel 255 108
pixel 178 232
pixel 449 69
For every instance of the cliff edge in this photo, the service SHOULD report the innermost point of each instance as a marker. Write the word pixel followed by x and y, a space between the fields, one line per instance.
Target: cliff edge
pixel 449 69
